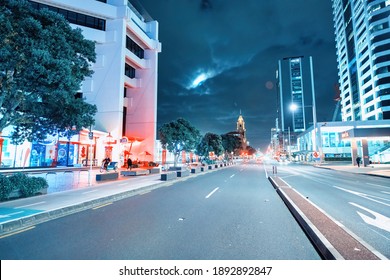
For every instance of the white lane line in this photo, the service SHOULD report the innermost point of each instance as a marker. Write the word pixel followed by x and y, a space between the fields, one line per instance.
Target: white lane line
pixel 232 176
pixel 11 214
pixel 122 184
pixel 89 191
pixel 366 196
pixel 376 185
pixel 210 194
pixel 28 205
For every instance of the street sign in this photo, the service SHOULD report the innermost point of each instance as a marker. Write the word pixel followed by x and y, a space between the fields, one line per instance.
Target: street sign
pixel 315 154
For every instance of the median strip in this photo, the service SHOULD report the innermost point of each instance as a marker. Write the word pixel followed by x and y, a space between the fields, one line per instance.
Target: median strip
pixel 331 239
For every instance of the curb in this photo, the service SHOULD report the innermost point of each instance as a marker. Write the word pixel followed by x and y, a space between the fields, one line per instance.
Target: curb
pixel 322 245
pixel 359 173
pixel 19 224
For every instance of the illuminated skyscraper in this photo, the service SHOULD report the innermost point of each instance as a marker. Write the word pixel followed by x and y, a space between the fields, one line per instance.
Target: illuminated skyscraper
pixel 298 114
pixel 363 54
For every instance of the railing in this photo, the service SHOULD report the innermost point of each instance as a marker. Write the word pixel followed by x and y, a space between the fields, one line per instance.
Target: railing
pixel 138 10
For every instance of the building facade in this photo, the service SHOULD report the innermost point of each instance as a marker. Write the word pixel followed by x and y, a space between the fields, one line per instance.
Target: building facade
pixel 123 86
pixel 362 35
pixel 345 141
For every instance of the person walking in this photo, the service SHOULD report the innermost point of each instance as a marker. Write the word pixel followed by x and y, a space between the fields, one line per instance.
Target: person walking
pixel 358 159
pixel 129 163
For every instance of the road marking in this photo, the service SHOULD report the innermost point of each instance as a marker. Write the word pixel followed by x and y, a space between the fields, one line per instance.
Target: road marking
pixel 122 184
pixel 90 191
pixel 28 205
pixel 232 176
pixel 103 205
pixel 210 194
pixel 265 170
pixel 145 192
pixel 11 214
pixel 16 232
pixel 376 185
pixel 379 220
pixel 366 196
pixel 385 192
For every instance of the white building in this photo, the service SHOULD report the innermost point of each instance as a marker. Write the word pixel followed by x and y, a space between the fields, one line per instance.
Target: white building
pixel 362 30
pixel 123 86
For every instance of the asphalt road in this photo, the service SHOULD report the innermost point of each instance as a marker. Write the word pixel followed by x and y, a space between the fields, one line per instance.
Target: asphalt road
pixel 233 213
pixel 361 203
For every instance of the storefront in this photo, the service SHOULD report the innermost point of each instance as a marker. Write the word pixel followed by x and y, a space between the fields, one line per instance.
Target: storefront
pixel 55 151
pixel 345 141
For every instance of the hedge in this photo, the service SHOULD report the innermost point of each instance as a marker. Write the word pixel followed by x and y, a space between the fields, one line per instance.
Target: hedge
pixel 27 186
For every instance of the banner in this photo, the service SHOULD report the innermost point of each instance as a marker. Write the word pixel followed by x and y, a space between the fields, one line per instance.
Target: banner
pixel 164 157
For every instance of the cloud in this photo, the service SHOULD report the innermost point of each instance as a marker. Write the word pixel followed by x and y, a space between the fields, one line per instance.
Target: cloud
pixel 220 56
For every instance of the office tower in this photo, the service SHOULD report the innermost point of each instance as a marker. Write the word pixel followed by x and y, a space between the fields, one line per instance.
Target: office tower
pixel 363 54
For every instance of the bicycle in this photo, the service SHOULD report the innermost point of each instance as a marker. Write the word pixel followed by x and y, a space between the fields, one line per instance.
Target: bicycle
pixel 113 165
pixel 103 167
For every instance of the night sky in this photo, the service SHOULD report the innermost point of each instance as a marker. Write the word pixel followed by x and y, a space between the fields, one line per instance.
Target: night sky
pixel 220 56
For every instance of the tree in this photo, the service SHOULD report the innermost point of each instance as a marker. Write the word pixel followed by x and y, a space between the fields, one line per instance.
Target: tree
pixel 251 151
pixel 42 64
pixel 231 143
pixel 178 136
pixel 210 143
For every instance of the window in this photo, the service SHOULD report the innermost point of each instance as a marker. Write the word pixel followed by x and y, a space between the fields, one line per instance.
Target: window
pixel 368 99
pixel 78 95
pixel 385 103
pixel 124 120
pixel 129 71
pixel 73 17
pixel 134 48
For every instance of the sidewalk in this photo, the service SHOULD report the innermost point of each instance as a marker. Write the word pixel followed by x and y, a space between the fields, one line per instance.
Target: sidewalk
pixel 71 190
pixel 381 170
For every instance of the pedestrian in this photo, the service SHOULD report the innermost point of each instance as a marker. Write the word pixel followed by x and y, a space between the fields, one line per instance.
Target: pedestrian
pixel 129 163
pixel 358 159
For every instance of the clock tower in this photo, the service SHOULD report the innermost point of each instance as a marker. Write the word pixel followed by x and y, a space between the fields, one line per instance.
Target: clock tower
pixel 241 130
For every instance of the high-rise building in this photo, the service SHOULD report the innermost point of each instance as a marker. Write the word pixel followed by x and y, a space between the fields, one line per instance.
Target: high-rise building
pixel 124 83
pixel 363 54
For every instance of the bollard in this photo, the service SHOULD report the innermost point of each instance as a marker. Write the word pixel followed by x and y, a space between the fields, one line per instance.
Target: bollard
pixel 274 169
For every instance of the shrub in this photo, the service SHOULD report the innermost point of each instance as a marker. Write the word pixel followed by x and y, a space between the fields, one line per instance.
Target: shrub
pixel 27 186
pixel 34 185
pixel 5 187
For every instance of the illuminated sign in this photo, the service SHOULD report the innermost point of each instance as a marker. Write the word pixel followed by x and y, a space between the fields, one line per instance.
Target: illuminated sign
pixel 345 134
